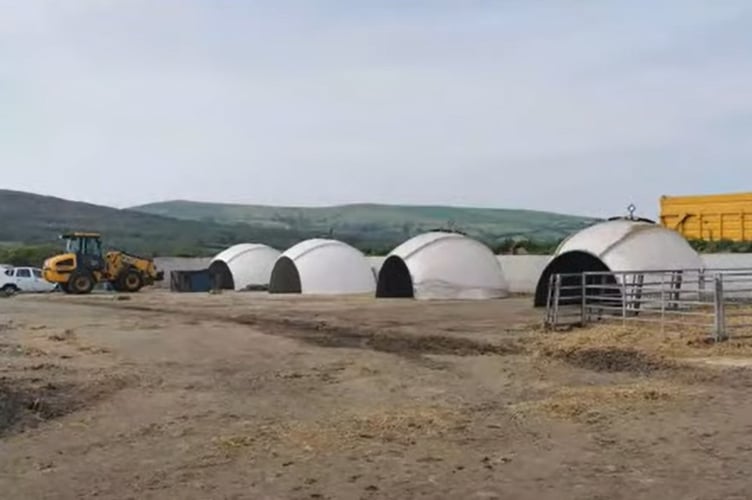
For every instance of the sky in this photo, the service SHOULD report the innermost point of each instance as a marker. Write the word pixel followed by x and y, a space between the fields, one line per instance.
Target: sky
pixel 574 107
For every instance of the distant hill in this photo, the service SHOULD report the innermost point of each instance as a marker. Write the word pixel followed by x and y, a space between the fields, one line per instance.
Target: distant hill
pixel 188 228
pixel 380 222
pixel 27 218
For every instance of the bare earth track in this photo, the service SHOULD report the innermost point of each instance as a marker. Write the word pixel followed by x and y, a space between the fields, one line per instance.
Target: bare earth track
pixel 246 396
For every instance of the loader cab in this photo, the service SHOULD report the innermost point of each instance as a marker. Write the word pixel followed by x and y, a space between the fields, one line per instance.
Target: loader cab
pixel 88 249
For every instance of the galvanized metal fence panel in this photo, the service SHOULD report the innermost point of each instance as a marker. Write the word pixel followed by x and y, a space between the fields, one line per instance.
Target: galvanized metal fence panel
pixel 717 299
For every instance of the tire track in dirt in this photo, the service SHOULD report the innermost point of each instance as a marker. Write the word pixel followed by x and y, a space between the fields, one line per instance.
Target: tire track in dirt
pixel 324 334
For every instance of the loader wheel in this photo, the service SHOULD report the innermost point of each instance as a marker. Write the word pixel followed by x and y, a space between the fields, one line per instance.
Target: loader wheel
pixel 131 281
pixel 81 283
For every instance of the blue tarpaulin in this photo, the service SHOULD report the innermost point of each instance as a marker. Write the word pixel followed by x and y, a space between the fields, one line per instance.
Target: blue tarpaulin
pixel 190 281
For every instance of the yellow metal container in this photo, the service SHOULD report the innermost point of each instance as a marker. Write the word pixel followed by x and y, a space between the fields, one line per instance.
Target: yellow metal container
pixel 709 217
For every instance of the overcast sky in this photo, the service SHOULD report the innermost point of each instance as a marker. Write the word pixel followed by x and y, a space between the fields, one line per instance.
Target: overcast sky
pixel 579 107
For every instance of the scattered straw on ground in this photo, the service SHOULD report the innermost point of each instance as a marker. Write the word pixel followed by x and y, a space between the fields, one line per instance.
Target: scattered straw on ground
pixel 576 402
pixel 40 339
pixel 689 342
pixel 343 431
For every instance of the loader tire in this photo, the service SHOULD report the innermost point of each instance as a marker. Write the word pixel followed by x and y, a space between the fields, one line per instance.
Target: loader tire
pixel 130 281
pixel 81 283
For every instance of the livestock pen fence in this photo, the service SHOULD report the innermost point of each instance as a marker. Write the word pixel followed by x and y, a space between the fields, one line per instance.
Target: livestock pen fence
pixel 718 300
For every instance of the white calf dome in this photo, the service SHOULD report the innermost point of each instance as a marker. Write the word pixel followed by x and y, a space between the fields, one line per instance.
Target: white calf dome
pixel 243 266
pixel 321 266
pixel 442 265
pixel 619 245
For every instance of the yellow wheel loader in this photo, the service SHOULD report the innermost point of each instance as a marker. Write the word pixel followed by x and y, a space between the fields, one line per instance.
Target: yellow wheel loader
pixel 83 265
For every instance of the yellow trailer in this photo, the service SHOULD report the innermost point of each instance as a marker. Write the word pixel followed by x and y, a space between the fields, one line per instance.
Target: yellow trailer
pixel 709 217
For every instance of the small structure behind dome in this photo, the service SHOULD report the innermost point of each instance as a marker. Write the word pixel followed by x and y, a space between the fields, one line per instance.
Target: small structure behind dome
pixel 190 281
pixel 242 267
pixel 322 266
pixel 442 265
pixel 619 244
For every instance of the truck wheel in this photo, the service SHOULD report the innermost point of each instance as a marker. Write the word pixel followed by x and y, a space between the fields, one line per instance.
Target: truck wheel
pixel 9 290
pixel 81 283
pixel 131 281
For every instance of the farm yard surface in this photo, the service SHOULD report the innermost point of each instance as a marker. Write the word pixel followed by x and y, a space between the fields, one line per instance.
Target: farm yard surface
pixel 244 395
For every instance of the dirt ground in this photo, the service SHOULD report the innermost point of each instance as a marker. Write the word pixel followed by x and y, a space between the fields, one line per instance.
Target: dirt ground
pixel 247 396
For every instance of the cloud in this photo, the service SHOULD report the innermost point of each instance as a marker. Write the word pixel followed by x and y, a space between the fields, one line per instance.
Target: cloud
pixel 580 108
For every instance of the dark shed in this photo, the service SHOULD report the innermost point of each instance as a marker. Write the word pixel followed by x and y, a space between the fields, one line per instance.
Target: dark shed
pixel 190 281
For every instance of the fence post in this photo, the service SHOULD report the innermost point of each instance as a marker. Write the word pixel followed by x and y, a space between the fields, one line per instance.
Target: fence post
pixel 639 283
pixel 720 313
pixel 663 302
pixel 583 292
pixel 548 300
pixel 557 297
pixel 624 299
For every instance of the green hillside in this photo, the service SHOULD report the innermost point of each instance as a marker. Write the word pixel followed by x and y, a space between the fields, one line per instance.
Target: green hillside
pixel 31 219
pixel 380 222
pixel 188 228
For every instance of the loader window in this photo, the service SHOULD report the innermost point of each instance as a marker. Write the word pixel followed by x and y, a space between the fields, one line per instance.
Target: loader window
pixel 73 246
pixel 93 247
pixel 84 246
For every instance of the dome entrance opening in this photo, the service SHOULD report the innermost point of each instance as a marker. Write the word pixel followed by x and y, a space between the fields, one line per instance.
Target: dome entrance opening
pixel 221 276
pixel 285 277
pixel 574 262
pixel 395 280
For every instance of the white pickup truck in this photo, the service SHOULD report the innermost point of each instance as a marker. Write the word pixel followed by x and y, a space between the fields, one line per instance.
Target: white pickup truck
pixel 23 279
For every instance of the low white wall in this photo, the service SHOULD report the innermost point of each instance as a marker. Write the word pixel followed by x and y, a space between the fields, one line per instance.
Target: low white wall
pixel 376 263
pixel 727 260
pixel 521 271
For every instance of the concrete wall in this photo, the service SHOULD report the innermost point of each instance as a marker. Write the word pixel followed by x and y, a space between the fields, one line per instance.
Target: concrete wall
pixel 727 260
pixel 521 271
pixel 376 263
